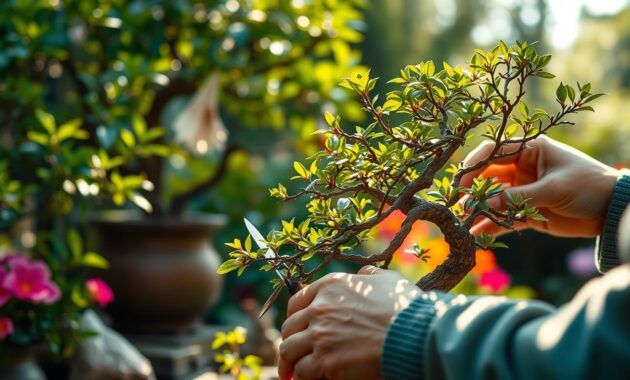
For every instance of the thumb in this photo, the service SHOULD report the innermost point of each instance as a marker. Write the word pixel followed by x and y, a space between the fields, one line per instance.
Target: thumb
pixel 370 269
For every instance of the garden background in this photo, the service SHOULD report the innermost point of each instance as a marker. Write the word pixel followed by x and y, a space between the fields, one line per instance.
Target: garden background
pixel 97 100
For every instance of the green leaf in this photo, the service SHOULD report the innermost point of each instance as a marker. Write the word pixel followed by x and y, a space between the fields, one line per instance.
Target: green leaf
pixel 537 217
pixel 503 48
pixel 155 150
pixel 94 260
pixel 313 168
pixel 228 266
pixel 586 108
pixel 219 340
pixel 511 130
pixel 543 61
pixel 592 97
pixel 288 226
pixel 236 244
pixel 397 81
pixel 523 108
pixel 301 170
pixel 392 104
pixel 75 243
pixel 546 75
pixel 561 93
pixel 152 134
pixel 71 129
pixel 430 68
pixel 78 299
pixel 118 198
pixel 570 93
pixel 139 125
pixel 46 120
pixel 308 255
pixel 449 70
pixel 38 137
pixel 497 244
pixel 330 119
pixel 128 138
pixel 241 270
pixel 107 136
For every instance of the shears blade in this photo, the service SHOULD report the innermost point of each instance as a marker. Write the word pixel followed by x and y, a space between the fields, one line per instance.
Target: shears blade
pixel 292 285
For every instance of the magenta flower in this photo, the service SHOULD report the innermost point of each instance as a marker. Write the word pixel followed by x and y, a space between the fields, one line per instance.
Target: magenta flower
pixel 495 280
pixel 99 291
pixel 6 327
pixel 4 294
pixel 30 281
pixel 8 257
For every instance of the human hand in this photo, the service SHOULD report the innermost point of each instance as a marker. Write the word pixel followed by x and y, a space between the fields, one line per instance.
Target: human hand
pixel 336 326
pixel 571 189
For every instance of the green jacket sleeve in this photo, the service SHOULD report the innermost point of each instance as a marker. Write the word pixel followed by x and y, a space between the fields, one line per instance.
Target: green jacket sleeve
pixel 606 255
pixel 444 337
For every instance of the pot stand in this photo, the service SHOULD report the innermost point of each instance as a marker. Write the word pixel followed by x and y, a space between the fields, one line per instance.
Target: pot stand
pixel 178 357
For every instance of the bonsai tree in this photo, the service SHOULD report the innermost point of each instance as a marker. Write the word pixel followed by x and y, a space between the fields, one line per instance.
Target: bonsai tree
pixel 401 161
pixel 113 68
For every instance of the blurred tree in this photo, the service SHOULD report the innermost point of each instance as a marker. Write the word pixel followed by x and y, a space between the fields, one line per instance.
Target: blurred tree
pixel 116 65
pixel 601 54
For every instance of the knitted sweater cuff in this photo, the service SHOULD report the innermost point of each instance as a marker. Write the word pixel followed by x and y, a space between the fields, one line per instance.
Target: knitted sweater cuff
pixel 404 349
pixel 606 254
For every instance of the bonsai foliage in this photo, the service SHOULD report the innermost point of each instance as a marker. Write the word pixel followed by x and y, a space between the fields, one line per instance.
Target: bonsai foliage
pixel 400 161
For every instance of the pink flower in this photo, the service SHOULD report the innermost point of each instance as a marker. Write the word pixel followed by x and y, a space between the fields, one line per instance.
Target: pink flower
pixel 495 280
pixel 100 291
pixel 30 281
pixel 6 327
pixel 8 257
pixel 4 294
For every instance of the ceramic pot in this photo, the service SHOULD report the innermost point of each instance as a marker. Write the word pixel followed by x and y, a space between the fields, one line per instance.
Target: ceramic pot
pixel 162 271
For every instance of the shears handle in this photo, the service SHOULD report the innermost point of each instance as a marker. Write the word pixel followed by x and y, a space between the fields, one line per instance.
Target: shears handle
pixel 292 285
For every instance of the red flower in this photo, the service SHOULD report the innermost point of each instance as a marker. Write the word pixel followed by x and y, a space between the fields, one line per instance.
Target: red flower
pixel 4 294
pixel 6 327
pixel 99 291
pixel 495 280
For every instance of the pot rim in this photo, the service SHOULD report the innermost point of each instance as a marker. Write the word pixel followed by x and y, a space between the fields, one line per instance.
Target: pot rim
pixel 136 219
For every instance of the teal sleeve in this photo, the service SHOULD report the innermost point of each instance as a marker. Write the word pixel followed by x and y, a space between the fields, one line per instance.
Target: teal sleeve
pixel 499 338
pixel 406 337
pixel 606 254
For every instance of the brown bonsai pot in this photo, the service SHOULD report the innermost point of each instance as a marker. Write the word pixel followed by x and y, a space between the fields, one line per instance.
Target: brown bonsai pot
pixel 162 271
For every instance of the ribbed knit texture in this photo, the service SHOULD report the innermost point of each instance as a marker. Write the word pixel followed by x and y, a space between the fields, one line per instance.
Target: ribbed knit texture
pixel 404 348
pixel 606 254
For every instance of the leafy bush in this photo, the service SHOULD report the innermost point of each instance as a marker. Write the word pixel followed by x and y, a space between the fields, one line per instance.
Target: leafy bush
pixel 106 71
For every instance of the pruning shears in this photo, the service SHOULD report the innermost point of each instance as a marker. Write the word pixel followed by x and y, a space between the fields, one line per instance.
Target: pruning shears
pixel 292 285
